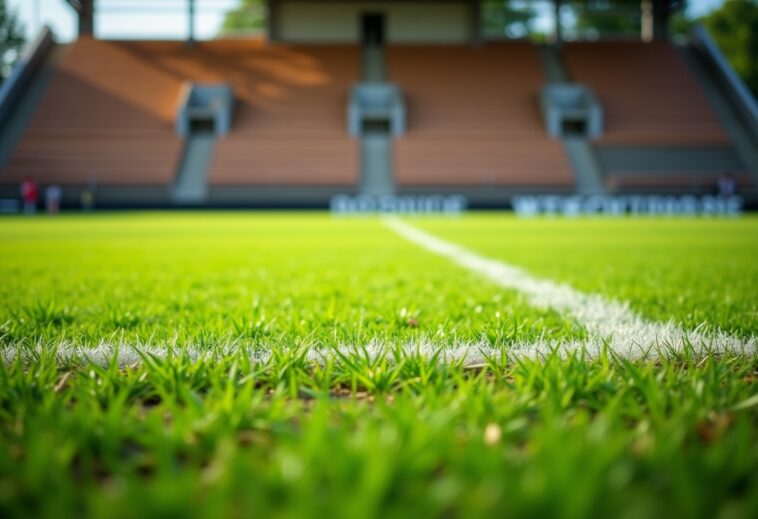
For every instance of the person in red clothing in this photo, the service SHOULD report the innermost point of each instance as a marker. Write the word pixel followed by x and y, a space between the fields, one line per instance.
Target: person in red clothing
pixel 30 195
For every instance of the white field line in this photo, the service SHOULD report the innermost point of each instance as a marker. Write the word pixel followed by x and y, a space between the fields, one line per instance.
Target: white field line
pixel 609 323
pixel 130 354
pixel 425 350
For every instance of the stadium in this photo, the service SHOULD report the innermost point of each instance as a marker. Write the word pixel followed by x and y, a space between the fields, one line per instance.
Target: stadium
pixel 381 258
pixel 402 98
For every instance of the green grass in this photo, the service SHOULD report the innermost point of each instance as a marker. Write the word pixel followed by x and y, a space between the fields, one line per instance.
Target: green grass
pixel 695 271
pixel 396 436
pixel 214 278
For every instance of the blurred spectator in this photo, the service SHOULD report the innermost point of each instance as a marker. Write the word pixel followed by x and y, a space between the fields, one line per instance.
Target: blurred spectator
pixel 53 199
pixel 30 195
pixel 726 187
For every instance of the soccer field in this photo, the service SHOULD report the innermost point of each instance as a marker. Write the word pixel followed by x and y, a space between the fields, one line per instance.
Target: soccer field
pixel 273 364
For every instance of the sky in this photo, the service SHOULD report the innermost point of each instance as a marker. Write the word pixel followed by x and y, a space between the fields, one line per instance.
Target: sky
pixel 166 19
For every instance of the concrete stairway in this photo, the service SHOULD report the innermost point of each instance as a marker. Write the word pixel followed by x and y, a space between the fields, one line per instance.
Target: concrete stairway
pixel 374 63
pixel 192 183
pixel 585 165
pixel 552 64
pixel 376 141
pixel 584 162
pixel 376 163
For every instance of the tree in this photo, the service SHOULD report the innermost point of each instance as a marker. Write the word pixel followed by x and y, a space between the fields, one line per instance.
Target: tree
pixel 500 18
pixel 11 39
pixel 249 16
pixel 594 19
pixel 605 17
pixel 508 18
pixel 734 28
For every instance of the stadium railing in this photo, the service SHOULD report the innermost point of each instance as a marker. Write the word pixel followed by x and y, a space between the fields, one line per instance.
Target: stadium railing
pixel 31 59
pixel 735 87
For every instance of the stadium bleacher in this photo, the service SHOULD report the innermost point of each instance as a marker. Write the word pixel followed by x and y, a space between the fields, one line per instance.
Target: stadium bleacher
pixel 655 108
pixel 107 117
pixel 648 95
pixel 473 118
pixel 109 114
pixel 289 126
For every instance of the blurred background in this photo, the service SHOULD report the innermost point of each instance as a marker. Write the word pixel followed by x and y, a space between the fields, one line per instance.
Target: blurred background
pixel 291 103
pixel 732 23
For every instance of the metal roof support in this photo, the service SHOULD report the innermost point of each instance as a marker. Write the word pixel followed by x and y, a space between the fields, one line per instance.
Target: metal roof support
pixel 647 20
pixel 661 17
pixel 272 20
pixel 655 19
pixel 191 22
pixel 558 35
pixel 475 22
pixel 85 11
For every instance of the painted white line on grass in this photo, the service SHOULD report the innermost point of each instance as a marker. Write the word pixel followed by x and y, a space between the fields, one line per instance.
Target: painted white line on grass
pixel 130 354
pixel 608 322
pixel 422 350
pixel 611 325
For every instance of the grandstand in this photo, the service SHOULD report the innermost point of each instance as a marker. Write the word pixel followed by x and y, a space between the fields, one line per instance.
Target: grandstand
pixel 142 124
pixel 491 135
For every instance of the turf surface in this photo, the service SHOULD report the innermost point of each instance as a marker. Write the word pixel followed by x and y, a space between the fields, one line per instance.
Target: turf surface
pixel 361 436
pixel 693 271
pixel 215 278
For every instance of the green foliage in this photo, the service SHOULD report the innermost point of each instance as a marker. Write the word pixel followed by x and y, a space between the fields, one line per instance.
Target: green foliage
pixel 596 18
pixel 681 24
pixel 250 16
pixel 507 18
pixel 11 39
pixel 734 27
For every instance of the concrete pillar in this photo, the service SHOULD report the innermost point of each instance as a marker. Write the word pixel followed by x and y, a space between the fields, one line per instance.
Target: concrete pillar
pixel 272 20
pixel 647 20
pixel 191 22
pixel 86 15
pixel 36 17
pixel 475 22
pixel 661 17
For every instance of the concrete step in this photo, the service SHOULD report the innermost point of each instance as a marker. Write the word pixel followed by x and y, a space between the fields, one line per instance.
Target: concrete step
pixel 584 164
pixel 374 63
pixel 192 180
pixel 582 157
pixel 552 64
pixel 376 163
pixel 703 160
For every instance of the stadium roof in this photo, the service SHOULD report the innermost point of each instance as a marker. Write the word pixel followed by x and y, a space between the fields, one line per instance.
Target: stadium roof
pixel 657 10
